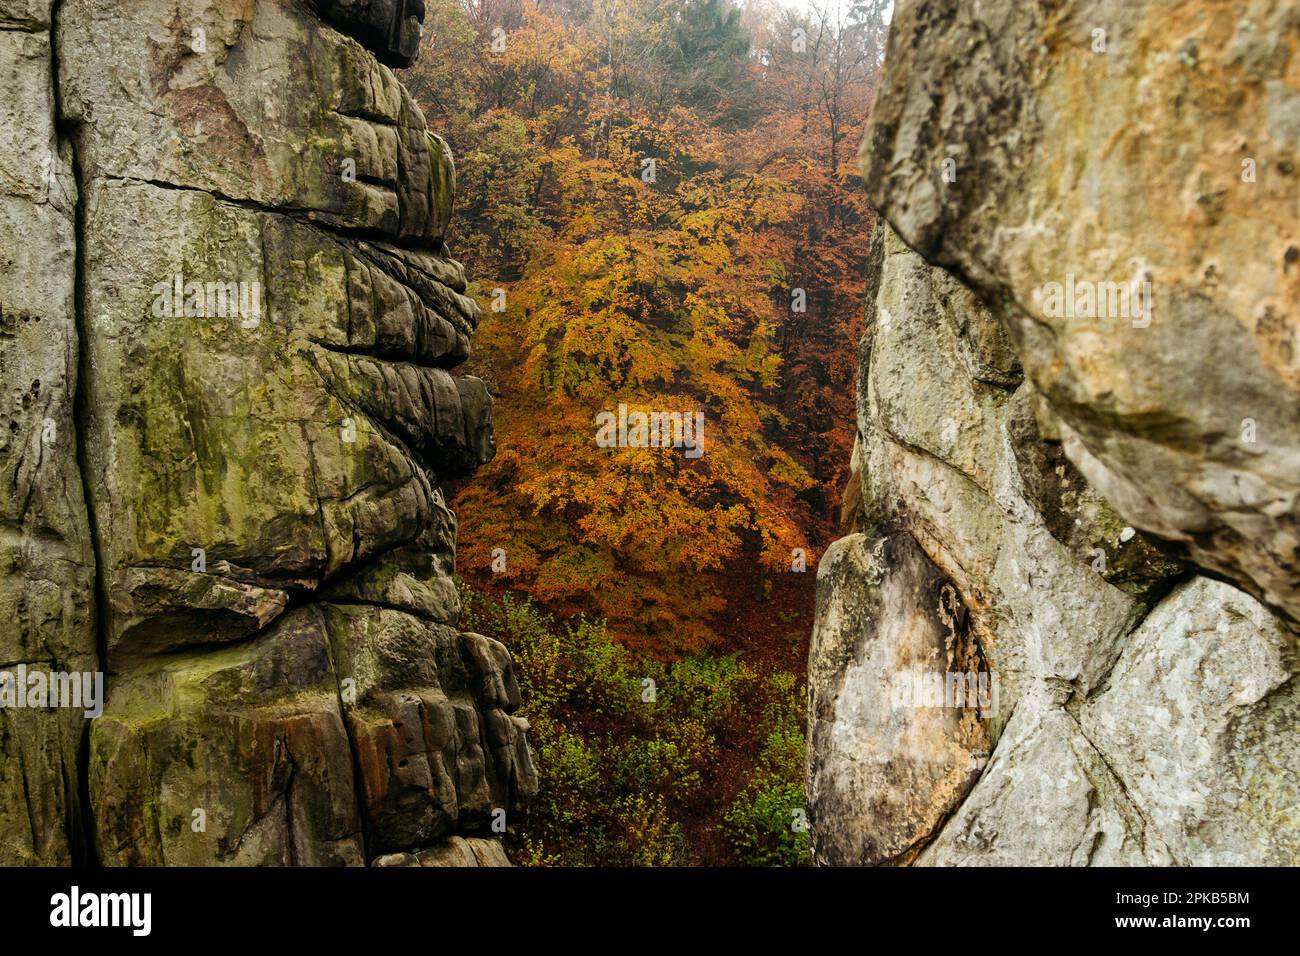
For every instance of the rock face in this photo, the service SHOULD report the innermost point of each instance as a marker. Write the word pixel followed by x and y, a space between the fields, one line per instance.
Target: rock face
pixel 1171 159
pixel 229 318
pixel 47 562
pixel 1079 447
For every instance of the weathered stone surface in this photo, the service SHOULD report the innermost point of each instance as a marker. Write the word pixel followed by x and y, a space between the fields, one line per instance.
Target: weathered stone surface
pixel 1170 158
pixel 161 609
pixel 1047 798
pixel 39 804
pixel 1083 621
pixel 237 756
pixel 1176 761
pixel 427 712
pixel 46 554
pixel 454 851
pixel 261 440
pixel 1199 720
pixel 30 15
pixel 417 577
pixel 890 765
pixel 1075 514
pixel 1147 712
pixel 227 319
pixel 938 459
pixel 276 110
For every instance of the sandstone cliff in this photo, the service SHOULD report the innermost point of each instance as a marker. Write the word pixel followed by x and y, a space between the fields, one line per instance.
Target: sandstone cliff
pixel 227 320
pixel 1067 634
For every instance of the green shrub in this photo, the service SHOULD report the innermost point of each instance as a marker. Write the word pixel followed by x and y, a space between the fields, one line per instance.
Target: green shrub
pixel 707 769
pixel 767 827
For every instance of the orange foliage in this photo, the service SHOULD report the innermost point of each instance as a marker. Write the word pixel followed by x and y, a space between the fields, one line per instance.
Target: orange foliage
pixel 666 292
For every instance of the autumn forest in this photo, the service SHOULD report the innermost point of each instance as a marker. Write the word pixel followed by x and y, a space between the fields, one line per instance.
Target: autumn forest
pixel 659 206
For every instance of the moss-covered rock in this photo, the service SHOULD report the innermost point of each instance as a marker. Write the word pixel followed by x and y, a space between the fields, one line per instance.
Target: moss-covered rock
pixel 227 416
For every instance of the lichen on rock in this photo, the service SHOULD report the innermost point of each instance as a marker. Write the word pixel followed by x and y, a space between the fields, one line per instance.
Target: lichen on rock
pixel 1124 546
pixel 234 315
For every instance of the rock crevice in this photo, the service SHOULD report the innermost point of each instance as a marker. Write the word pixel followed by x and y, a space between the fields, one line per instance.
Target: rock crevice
pixel 225 278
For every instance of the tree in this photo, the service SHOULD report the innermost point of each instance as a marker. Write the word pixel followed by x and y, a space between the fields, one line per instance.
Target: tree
pixel 708 52
pixel 650 245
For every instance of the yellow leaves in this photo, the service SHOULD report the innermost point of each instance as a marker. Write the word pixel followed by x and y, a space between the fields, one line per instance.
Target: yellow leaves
pixel 667 293
pixel 786 471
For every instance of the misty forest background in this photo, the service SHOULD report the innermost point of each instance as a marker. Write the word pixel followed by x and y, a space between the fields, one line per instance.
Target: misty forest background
pixel 659 631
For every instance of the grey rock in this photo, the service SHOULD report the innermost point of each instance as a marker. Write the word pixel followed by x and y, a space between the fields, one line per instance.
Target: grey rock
pixel 1104 493
pixel 1198 720
pixel 227 322
pixel 1136 164
pixel 428 715
pixel 454 852
pixel 236 756
pixel 888 763
pixel 1094 631
pixel 1047 798
pixel 47 561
